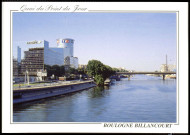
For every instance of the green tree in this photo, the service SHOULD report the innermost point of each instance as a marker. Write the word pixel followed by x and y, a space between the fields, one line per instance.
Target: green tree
pixel 56 70
pixel 72 71
pixel 95 67
pixel 108 71
pixel 99 80
pixel 62 70
pixel 48 69
pixel 99 71
pixel 81 71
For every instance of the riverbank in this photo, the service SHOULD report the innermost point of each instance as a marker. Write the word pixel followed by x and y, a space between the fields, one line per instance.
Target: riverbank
pixel 26 94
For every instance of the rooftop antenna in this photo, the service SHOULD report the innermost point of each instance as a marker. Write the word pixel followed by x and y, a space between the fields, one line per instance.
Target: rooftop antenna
pixel 166 63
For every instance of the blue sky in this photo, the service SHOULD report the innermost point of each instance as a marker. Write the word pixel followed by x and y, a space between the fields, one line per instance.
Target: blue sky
pixel 136 41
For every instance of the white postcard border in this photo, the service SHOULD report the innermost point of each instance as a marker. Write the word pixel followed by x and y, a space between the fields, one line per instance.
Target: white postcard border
pixel 180 127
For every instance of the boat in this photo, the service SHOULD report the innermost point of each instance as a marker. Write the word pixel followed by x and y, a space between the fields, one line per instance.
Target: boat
pixel 107 82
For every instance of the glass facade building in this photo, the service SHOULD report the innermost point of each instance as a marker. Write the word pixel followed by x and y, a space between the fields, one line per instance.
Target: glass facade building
pixel 39 54
pixel 53 56
pixel 67 44
pixel 18 54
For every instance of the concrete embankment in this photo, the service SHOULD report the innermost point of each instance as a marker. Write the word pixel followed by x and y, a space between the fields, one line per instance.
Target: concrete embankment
pixel 21 95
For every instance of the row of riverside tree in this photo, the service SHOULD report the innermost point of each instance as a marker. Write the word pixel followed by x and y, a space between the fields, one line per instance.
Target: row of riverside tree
pixel 60 71
pixel 99 71
pixel 55 69
pixel 94 68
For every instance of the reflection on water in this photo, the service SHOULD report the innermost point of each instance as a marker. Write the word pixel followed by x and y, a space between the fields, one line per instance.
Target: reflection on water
pixel 142 99
pixel 98 92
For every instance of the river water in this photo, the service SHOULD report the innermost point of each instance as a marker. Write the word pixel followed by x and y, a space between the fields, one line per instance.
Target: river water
pixel 142 99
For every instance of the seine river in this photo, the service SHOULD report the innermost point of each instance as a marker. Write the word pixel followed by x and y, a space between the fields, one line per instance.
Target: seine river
pixel 142 99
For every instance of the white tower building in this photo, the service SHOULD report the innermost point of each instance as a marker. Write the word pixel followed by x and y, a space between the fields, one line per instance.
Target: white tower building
pixel 67 44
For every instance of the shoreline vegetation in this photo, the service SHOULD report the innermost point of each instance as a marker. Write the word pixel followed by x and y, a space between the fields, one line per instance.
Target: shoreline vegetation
pixel 95 70
pixel 100 72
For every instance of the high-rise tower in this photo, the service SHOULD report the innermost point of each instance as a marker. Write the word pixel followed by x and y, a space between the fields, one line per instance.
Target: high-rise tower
pixel 67 44
pixel 18 54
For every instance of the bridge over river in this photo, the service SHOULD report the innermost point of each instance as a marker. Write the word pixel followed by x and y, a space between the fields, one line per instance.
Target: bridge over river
pixel 155 73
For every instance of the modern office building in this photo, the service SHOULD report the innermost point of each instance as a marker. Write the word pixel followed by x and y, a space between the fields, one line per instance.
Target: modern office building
pixel 67 44
pixel 74 62
pixel 18 54
pixel 71 62
pixel 17 62
pixel 69 59
pixel 40 54
pixel 33 61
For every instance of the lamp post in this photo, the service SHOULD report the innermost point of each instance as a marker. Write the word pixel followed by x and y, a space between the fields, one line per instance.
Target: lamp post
pixel 80 77
pixel 27 77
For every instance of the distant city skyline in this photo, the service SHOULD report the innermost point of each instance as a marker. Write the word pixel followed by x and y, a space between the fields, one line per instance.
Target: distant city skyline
pixel 136 41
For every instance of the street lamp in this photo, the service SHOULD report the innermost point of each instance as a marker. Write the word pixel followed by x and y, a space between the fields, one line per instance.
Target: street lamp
pixel 27 76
